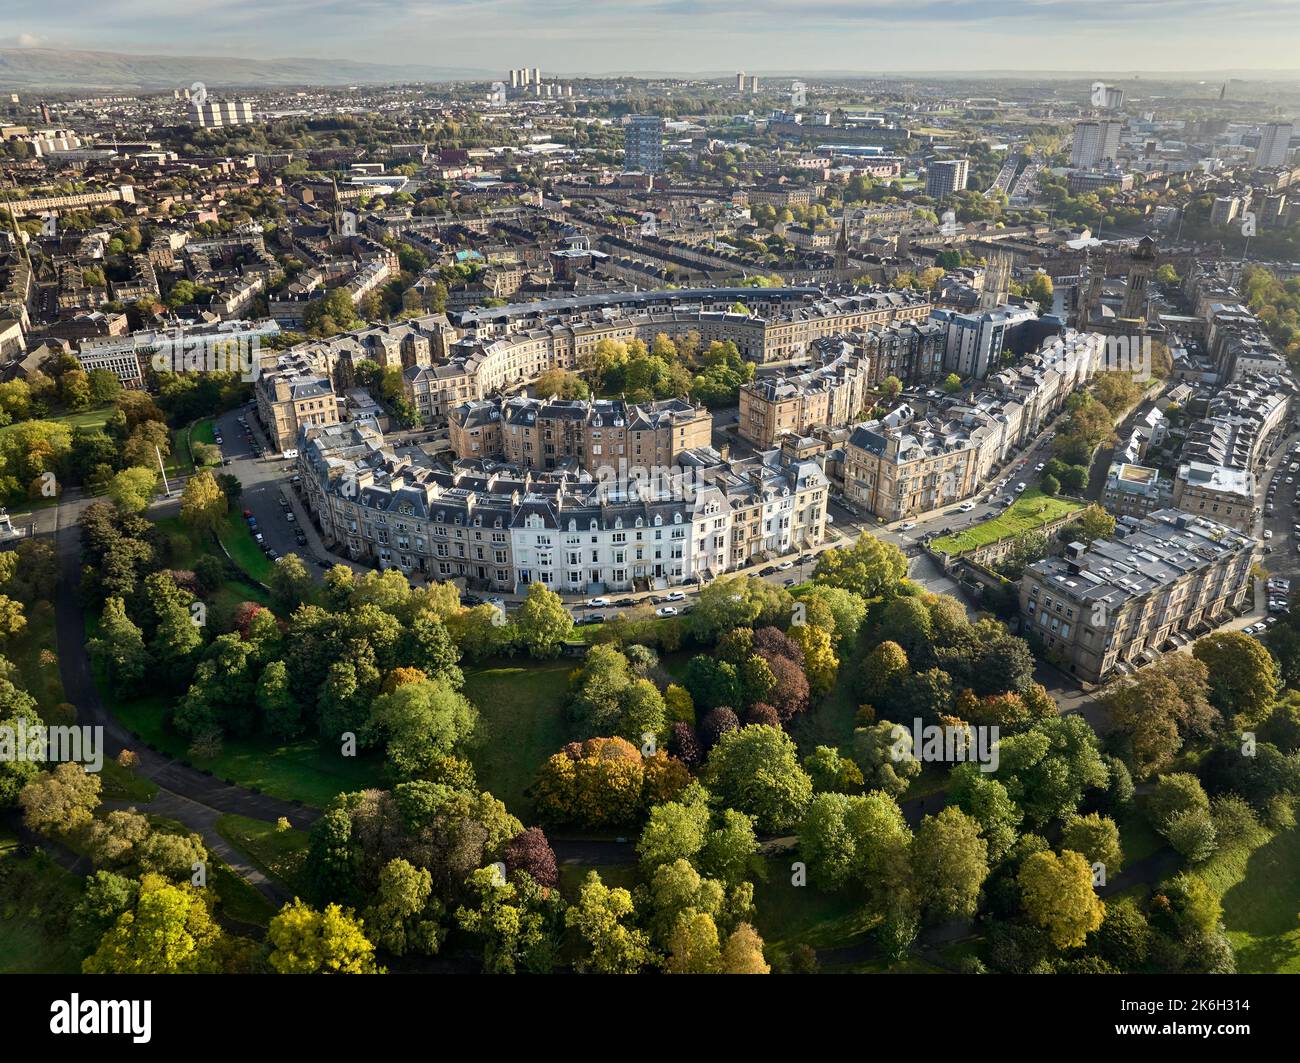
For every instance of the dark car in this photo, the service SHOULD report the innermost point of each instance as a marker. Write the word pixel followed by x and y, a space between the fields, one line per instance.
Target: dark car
pixel 807 559
pixel 623 603
pixel 470 600
pixel 770 570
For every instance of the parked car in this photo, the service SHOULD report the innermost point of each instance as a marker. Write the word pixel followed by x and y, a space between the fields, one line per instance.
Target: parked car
pixel 289 516
pixel 598 601
pixel 676 596
pixel 907 525
pixel 790 581
pixel 665 611
pixel 1020 487
pixel 785 565
pixel 623 603
pixel 1040 466
pixel 966 507
pixel 769 571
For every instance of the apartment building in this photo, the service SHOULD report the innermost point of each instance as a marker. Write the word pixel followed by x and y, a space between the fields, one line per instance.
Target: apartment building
pixel 1218 492
pixel 537 433
pixel 294 393
pixel 832 394
pixel 499 527
pixel 901 464
pixel 1117 603
pixel 1134 490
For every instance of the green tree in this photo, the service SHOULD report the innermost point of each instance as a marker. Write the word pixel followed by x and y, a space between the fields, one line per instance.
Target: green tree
pixel 756 770
pixel 1242 674
pixel 306 941
pixel 203 505
pixel 603 918
pixel 543 623
pixel 132 489
pixel 169 930
pixel 949 864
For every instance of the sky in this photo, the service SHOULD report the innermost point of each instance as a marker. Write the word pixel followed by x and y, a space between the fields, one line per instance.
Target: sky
pixel 628 36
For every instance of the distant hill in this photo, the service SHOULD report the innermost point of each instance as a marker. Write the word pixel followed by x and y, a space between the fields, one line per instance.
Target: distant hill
pixel 62 70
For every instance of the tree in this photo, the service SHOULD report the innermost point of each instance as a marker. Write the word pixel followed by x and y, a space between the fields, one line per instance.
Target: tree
pixel 821 666
pixel 952 383
pixel 119 648
pixel 1057 895
pixel 756 770
pixel 881 670
pixel 290 582
pixel 423 721
pixel 519 921
pixel 987 802
pixel 306 941
pixel 133 488
pixel 542 622
pixel 203 505
pixel 168 930
pixel 870 568
pixel 406 917
pixel 862 841
pixel 1242 675
pixel 742 952
pixel 1048 768
pixel 61 801
pixel 1159 708
pixel 1096 837
pixel 675 830
pixel 885 757
pixel 949 864
pixel 1050 484
pixel 602 918
pixel 693 945
pixel 532 854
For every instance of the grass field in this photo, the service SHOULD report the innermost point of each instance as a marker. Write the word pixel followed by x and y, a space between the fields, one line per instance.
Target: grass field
pixel 789 915
pixel 185 551
pixel 521 723
pixel 1258 881
pixel 35 895
pixel 34 653
pixel 1029 512
pixel 244 551
pixel 303 770
pixel 277 853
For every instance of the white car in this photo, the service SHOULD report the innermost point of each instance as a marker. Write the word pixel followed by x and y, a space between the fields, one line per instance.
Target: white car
pixel 1268 535
pixel 966 507
pixel 907 525
pixel 1020 488
pixel 785 565
pixel 598 601
pixel 665 611
pixel 676 596
pixel 1040 466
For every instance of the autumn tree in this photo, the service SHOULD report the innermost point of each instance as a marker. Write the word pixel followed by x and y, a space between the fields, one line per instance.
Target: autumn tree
pixel 330 941
pixel 1057 895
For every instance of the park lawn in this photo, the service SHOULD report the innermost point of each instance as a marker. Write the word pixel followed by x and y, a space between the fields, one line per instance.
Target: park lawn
pixel 35 894
pixel 521 723
pixel 787 915
pixel 186 551
pixel 572 877
pixel 281 854
pixel 1258 881
pixel 1137 837
pixel 830 722
pixel 1029 512
pixel 38 670
pixel 122 784
pixel 301 770
pixel 204 431
pixel 244 551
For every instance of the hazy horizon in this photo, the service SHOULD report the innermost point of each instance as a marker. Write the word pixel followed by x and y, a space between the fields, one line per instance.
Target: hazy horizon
pixel 690 37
